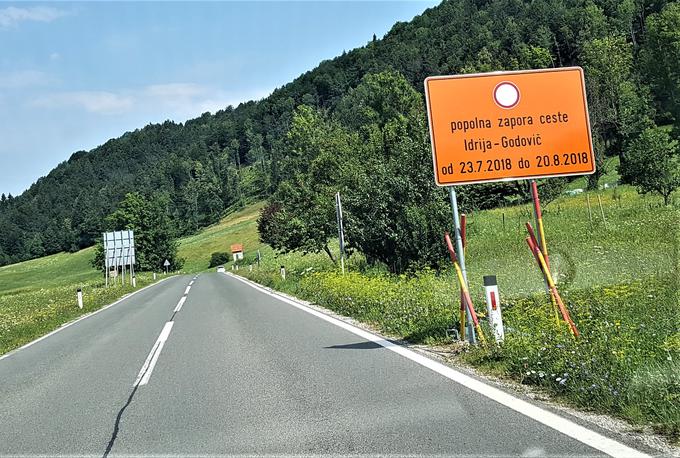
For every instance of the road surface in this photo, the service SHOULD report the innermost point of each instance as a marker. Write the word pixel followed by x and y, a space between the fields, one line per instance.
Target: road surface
pixel 211 365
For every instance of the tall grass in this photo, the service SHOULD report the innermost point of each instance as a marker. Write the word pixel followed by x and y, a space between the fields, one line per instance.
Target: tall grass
pixel 28 314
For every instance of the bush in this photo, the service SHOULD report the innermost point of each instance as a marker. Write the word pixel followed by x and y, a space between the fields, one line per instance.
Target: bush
pixel 219 258
pixel 415 308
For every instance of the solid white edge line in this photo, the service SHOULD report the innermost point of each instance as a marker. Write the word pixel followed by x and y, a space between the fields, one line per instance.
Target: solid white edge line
pixel 180 304
pixel 554 421
pixel 88 315
pixel 147 368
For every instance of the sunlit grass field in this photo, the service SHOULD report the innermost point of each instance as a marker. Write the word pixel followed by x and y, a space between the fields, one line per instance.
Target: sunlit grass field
pixel 238 227
pixel 50 271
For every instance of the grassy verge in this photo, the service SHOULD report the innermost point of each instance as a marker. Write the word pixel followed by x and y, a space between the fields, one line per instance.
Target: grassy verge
pixel 618 276
pixel 32 312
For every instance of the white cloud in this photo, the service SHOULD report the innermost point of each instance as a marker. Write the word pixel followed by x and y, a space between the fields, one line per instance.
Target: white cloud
pixel 99 102
pixel 12 15
pixel 176 91
pixel 185 100
pixel 178 101
pixel 23 78
pixel 55 56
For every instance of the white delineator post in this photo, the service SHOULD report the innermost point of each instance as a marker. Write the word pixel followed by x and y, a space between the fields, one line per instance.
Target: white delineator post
pixel 493 307
pixel 134 281
pixel 283 272
pixel 79 293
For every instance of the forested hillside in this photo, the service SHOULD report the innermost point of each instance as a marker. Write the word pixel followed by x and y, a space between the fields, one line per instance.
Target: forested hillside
pixel 629 49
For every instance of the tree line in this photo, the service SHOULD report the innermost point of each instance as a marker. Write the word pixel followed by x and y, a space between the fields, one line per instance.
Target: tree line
pixel 340 113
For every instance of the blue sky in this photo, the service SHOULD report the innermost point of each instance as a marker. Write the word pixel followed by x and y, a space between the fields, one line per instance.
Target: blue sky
pixel 73 75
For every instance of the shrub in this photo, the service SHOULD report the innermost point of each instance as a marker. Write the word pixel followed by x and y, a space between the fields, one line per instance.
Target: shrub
pixel 219 258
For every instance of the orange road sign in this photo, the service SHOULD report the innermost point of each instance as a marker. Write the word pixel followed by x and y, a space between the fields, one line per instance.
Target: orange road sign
pixel 506 126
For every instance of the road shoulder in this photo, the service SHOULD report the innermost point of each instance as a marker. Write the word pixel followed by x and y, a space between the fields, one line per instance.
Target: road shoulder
pixel 609 427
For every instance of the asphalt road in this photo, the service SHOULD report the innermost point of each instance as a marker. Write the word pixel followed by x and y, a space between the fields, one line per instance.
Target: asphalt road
pixel 232 370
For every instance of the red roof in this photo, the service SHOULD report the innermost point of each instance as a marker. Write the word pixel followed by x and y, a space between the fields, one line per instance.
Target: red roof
pixel 237 248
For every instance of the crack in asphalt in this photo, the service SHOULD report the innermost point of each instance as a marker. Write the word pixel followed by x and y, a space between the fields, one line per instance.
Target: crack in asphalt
pixel 116 425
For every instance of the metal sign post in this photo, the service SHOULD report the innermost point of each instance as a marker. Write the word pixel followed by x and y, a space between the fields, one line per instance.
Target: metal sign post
pixel 470 330
pixel 341 230
pixel 166 264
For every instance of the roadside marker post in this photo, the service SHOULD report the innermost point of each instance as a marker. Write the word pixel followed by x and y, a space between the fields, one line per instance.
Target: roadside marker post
pixel 599 201
pixel 79 295
pixel 538 215
pixel 132 271
pixel 283 272
pixel 534 243
pixel 493 307
pixel 553 288
pixel 463 286
pixel 540 241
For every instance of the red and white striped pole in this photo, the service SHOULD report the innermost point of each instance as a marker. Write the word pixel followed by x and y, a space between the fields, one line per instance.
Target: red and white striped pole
pixel 493 307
